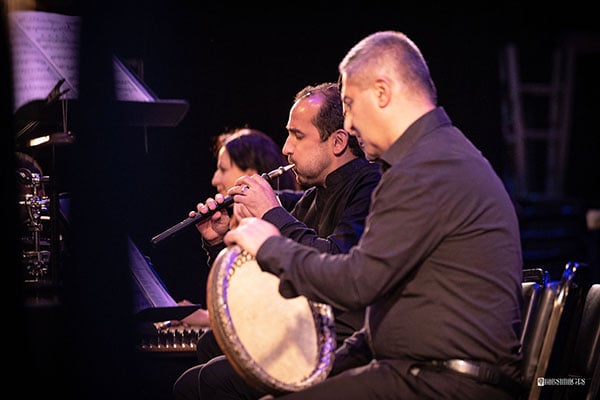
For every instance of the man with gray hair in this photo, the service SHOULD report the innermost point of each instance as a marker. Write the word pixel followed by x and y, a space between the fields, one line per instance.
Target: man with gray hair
pixel 439 265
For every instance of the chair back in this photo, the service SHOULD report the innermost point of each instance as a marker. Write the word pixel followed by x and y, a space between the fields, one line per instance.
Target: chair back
pixel 540 330
pixel 532 293
pixel 586 354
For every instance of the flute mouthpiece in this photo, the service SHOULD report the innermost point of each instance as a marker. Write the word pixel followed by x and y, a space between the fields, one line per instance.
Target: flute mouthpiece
pixel 278 172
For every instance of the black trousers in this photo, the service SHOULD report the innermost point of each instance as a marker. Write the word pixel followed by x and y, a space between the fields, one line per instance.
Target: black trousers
pixel 186 386
pixel 223 381
pixel 207 347
pixel 384 379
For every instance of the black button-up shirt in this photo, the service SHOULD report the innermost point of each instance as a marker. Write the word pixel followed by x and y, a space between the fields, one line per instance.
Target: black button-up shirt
pixel 439 264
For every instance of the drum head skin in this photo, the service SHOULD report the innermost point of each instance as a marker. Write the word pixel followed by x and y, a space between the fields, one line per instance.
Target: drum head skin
pixel 278 345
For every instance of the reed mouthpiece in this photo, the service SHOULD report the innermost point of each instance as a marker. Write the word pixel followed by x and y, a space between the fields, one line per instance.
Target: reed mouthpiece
pixel 278 172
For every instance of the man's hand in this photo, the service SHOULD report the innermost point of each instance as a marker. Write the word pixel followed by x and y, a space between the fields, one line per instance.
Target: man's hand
pixel 255 194
pixel 250 234
pixel 214 228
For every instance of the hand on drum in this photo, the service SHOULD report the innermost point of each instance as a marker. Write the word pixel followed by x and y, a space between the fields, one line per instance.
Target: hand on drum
pixel 250 234
pixel 214 228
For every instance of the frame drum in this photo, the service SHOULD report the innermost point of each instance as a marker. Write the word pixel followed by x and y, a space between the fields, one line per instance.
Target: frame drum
pixel 276 344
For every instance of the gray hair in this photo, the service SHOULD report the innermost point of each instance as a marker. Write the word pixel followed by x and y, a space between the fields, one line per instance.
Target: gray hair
pixel 393 50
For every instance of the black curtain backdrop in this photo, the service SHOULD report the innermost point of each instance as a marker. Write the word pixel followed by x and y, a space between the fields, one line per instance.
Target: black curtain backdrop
pixel 244 66
pixel 238 66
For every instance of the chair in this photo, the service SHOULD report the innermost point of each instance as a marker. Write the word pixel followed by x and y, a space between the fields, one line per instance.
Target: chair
pixel 537 275
pixel 534 280
pixel 541 327
pixel 532 292
pixel 586 354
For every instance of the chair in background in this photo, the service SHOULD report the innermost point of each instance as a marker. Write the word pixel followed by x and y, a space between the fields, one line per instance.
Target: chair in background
pixel 534 281
pixel 586 354
pixel 537 275
pixel 532 293
pixel 541 328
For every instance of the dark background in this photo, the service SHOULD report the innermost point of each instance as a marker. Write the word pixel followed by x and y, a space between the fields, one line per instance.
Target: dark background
pixel 237 67
pixel 242 65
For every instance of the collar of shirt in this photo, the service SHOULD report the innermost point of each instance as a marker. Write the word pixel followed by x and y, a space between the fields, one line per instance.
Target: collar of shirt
pixel 426 123
pixel 341 175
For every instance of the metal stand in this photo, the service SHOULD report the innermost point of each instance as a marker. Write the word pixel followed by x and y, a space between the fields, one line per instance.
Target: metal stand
pixel 42 239
pixel 36 253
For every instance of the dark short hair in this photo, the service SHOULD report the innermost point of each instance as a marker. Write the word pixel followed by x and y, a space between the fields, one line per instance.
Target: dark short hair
pixel 330 116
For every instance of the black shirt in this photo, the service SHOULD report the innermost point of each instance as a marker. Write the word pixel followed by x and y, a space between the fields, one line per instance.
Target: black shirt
pixel 439 264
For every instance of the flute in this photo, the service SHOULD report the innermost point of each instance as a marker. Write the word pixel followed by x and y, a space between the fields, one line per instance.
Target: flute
pixel 227 201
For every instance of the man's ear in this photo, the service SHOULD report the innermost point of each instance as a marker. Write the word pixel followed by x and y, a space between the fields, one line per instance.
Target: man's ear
pixel 340 141
pixel 383 92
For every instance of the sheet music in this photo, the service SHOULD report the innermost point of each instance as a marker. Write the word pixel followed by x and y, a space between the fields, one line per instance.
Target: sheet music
pixel 127 87
pixel 149 290
pixel 45 49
